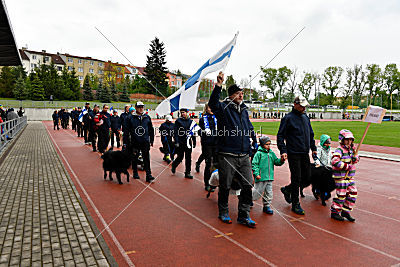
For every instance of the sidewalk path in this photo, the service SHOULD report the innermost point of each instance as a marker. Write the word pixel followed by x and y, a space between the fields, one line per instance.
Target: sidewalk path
pixel 43 222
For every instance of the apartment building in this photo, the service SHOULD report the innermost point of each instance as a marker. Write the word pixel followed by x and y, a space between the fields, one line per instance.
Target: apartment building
pixel 84 66
pixel 33 59
pixel 106 71
pixel 174 81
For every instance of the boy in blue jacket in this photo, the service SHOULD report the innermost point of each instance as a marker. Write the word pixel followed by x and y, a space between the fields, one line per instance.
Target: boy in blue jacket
pixel 263 169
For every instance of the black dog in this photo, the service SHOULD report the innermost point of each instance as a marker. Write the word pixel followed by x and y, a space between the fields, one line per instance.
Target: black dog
pixel 321 181
pixel 118 162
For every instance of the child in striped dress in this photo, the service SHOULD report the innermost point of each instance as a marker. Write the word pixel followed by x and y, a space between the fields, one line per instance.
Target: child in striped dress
pixel 343 161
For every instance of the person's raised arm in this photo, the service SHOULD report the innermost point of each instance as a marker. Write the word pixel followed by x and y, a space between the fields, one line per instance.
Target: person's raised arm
pixel 214 103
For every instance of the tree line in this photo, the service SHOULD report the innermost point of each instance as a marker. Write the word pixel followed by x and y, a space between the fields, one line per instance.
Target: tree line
pixel 46 81
pixel 365 85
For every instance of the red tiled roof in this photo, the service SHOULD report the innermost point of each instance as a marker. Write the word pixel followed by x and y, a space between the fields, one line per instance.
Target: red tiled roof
pixel 23 55
pixel 56 59
pixel 88 58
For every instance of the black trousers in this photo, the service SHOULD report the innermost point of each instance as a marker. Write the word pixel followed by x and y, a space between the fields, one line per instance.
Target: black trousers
pixel 116 133
pixel 56 125
pixel 201 158
pixel 210 155
pixel 299 165
pixel 92 138
pixel 125 139
pixel 74 124
pixel 145 149
pixel 86 132
pixel 183 151
pixel 240 168
pixel 168 147
pixel 104 139
pixel 79 128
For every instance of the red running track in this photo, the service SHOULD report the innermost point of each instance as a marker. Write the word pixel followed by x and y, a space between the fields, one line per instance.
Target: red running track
pixel 171 222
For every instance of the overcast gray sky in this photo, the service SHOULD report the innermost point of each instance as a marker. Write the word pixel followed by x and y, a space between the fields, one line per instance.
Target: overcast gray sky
pixel 337 32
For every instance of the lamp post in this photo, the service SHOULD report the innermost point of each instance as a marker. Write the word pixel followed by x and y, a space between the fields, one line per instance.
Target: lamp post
pixel 352 106
pixel 250 87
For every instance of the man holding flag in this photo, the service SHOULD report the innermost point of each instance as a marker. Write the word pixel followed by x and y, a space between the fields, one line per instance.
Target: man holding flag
pixel 234 133
pixel 86 122
pixel 78 122
pixel 184 141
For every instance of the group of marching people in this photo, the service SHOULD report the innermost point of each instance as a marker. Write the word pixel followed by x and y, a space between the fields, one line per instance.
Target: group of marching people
pixel 234 159
pixel 132 130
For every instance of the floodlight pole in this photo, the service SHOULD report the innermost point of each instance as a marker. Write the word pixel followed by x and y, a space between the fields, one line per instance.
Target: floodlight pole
pixel 250 88
pixel 352 107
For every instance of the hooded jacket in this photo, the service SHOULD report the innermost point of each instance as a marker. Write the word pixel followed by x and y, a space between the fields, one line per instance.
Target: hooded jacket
pixel 263 164
pixel 234 126
pixel 324 153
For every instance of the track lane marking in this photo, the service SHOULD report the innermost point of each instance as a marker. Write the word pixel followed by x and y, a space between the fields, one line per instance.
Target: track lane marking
pixel 113 237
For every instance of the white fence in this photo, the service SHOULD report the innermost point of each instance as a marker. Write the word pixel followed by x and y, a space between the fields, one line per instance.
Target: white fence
pixel 9 129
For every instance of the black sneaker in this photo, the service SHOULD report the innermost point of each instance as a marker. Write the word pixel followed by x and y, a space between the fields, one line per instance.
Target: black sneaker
pixel 296 208
pixel 286 194
pixel 348 216
pixel 136 175
pixel 150 178
pixel 188 175
pixel 197 167
pixel 337 217
pixel 173 169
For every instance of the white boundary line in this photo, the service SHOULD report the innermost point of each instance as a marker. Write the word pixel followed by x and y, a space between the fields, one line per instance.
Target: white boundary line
pixel 242 246
pixel 170 201
pixel 366 211
pixel 211 227
pixel 342 237
pixel 332 233
pixel 115 240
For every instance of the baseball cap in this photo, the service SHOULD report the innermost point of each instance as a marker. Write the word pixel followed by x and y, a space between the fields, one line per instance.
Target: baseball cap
pixel 139 104
pixel 301 100
pixel 168 118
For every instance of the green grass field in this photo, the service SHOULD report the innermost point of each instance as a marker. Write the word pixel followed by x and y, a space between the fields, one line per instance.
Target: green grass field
pixel 385 134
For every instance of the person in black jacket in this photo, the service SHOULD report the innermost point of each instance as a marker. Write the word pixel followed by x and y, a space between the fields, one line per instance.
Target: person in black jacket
pixel 234 133
pixel 20 112
pixel 296 130
pixel 73 118
pixel 93 114
pixel 141 133
pixel 115 129
pixel 65 118
pixel 55 120
pixel 184 142
pixel 104 124
pixel 125 132
pixel 78 123
pixel 86 124
pixel 208 133
pixel 167 133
